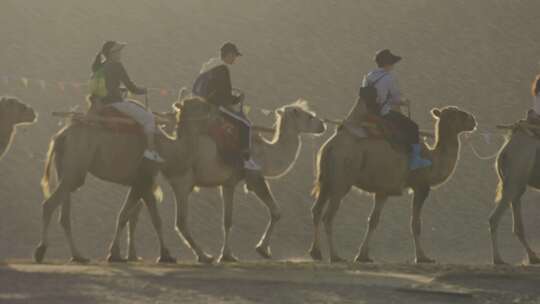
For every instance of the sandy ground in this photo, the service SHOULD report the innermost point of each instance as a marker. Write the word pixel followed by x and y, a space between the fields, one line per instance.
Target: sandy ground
pixel 479 55
pixel 276 282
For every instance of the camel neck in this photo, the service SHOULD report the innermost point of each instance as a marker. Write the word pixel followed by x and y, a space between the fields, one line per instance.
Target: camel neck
pixel 6 133
pixel 281 153
pixel 444 155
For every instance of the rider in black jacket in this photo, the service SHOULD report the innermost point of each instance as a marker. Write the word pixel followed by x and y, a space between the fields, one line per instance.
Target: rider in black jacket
pixel 214 85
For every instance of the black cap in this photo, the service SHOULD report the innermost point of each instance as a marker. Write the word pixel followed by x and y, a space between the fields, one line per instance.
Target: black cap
pixel 229 48
pixel 385 57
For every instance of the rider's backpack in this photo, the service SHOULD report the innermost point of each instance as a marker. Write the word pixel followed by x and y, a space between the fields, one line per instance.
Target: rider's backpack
pixel 201 87
pixel 369 94
pixel 97 84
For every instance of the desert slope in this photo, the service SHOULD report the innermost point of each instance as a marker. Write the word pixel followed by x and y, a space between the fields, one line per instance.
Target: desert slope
pixel 479 55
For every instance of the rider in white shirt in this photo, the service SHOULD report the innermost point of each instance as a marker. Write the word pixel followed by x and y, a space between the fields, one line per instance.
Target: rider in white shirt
pixel 389 102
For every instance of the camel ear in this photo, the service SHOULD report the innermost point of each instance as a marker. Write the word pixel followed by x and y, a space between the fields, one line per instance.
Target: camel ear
pixel 436 113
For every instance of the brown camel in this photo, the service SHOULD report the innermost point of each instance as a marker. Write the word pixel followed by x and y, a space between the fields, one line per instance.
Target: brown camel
pixel 517 166
pixel 276 157
pixel 375 167
pixel 13 113
pixel 79 149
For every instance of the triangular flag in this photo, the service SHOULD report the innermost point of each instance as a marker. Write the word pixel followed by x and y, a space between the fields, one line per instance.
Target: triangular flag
pixel 62 86
pixel 24 81
pixel 163 92
pixel 42 84
pixel 266 112
pixel 247 109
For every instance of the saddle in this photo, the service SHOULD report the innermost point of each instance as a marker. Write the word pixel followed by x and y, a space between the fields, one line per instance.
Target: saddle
pixel 110 118
pixel 226 134
pixel 373 127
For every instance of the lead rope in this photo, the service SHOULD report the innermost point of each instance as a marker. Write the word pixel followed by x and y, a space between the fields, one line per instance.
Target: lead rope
pixel 475 151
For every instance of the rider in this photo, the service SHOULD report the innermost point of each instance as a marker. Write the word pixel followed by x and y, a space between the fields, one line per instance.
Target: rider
pixel 115 76
pixel 389 102
pixel 214 85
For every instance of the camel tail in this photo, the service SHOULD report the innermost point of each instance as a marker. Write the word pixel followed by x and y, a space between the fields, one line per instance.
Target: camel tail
pixel 158 193
pixel 53 155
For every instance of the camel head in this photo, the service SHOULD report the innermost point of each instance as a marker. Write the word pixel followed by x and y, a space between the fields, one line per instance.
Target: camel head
pixel 16 112
pixel 299 115
pixel 454 120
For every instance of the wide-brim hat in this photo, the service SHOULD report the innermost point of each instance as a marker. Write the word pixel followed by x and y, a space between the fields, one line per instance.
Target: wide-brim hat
pixel 118 46
pixel 386 57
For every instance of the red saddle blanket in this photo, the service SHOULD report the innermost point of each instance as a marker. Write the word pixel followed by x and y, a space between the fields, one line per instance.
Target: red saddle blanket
pixel 225 132
pixel 114 120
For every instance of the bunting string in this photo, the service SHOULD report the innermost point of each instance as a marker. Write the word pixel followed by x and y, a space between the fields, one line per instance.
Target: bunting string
pixel 63 85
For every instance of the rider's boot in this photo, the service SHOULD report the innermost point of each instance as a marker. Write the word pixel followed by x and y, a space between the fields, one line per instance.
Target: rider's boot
pixel 151 152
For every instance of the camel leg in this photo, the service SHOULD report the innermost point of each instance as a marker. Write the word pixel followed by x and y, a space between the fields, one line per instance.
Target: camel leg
pixel 328 220
pixel 65 222
pixel 373 221
pixel 316 213
pixel 420 195
pixel 182 189
pixel 227 193
pixel 519 231
pixel 59 196
pixel 494 220
pixel 132 225
pixel 130 204
pixel 262 190
pixel 151 205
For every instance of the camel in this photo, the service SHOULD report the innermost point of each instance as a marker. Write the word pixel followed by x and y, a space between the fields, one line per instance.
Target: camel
pixel 276 157
pixel 376 167
pixel 517 167
pixel 79 149
pixel 13 113
pixel 183 158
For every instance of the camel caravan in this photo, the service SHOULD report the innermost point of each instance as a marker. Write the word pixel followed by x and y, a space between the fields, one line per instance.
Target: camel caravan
pixel 206 141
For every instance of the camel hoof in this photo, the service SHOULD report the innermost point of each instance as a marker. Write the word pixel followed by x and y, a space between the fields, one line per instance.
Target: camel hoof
pixel 424 260
pixel 205 259
pixel 336 259
pixel 39 253
pixel 264 251
pixel 134 258
pixel 533 260
pixel 499 262
pixel 227 258
pixel 166 259
pixel 79 260
pixel 315 254
pixel 363 260
pixel 113 258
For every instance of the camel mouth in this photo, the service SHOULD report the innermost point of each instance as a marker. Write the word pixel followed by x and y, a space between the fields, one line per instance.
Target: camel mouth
pixel 29 117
